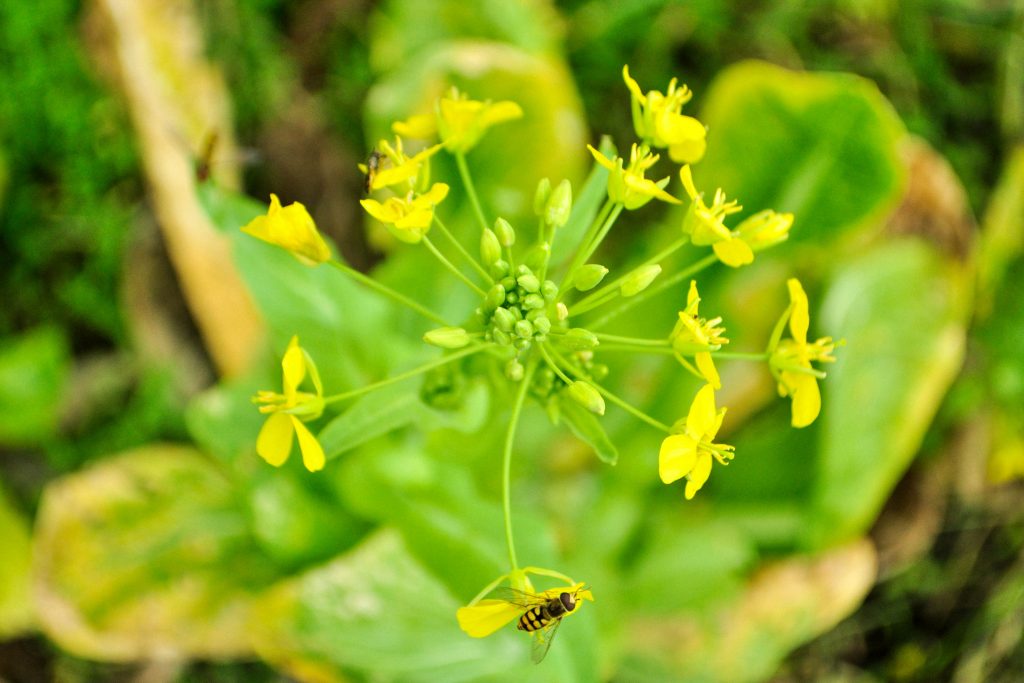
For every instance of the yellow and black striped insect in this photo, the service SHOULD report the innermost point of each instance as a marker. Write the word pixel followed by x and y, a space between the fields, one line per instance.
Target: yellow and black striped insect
pixel 542 616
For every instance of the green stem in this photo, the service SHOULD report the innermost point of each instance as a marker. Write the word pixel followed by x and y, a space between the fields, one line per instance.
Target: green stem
pixel 465 254
pixel 631 340
pixel 577 261
pixel 611 286
pixel 467 180
pixel 780 326
pixel 448 264
pixel 388 292
pixel 605 229
pixel 632 348
pixel 736 355
pixel 462 353
pixel 553 365
pixel 591 303
pixel 506 463
pixel 671 281
pixel 625 405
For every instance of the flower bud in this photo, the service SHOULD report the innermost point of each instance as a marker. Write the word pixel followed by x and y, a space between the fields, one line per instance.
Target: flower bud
pixel 549 290
pixel 540 197
pixel 542 324
pixel 447 337
pixel 639 279
pixel 589 276
pixel 504 320
pixel 529 282
pixel 501 337
pixel 490 248
pixel 495 297
pixel 514 370
pixel 587 396
pixel 579 339
pixel 562 310
pixel 559 205
pixel 521 344
pixel 538 256
pixel 506 235
pixel 499 268
pixel 533 302
pixel 523 329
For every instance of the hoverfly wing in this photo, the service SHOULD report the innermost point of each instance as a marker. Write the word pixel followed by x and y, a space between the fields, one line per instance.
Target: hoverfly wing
pixel 517 597
pixel 542 640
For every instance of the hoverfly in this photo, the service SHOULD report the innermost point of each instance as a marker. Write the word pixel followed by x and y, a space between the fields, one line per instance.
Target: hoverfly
pixel 543 615
pixel 372 166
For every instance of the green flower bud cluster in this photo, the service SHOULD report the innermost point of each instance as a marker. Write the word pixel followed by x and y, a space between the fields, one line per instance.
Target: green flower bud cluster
pixel 515 313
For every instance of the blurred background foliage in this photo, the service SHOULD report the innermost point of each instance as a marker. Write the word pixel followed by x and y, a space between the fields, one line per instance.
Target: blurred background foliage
pixel 886 542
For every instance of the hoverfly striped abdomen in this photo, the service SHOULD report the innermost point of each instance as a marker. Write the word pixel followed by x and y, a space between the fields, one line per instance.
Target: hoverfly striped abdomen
pixel 539 616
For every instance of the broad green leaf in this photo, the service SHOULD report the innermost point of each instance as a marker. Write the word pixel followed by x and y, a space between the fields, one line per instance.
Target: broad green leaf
pixel 376 612
pixel 16 613
pixel 784 605
pixel 901 308
pixel 588 428
pixel 146 555
pixel 223 421
pixel 1002 236
pixel 404 28
pixel 33 369
pixel 821 145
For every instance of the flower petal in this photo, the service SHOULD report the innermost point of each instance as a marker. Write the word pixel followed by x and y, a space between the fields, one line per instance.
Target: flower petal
pixel 733 252
pixel 293 365
pixel 312 451
pixel 677 457
pixel 688 151
pixel 486 617
pixel 686 175
pixel 799 319
pixel 707 368
pixel 275 440
pixel 702 416
pixel 692 297
pixel 632 85
pixel 601 158
pixel 699 475
pixel 806 398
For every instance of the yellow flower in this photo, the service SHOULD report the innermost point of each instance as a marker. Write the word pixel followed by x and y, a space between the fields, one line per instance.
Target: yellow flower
pixel 290 228
pixel 402 168
pixel 698 337
pixel 791 360
pixel 417 126
pixel 408 217
pixel 765 229
pixel 462 121
pixel 658 121
pixel 688 454
pixel 628 186
pixel 483 616
pixel 288 411
pixel 706 224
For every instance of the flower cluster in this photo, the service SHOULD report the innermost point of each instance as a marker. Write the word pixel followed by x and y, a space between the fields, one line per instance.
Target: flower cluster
pixel 541 326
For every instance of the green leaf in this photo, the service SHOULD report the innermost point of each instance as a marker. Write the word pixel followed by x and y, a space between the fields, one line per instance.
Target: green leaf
pixel 821 145
pixel 16 612
pixel 901 309
pixel 1002 235
pixel 145 554
pixel 33 370
pixel 378 613
pixel 588 428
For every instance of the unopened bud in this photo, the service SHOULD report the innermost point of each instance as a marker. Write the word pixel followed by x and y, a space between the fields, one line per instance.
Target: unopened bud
pixel 765 229
pixel 579 339
pixel 500 337
pixel 499 268
pixel 495 297
pixel 506 235
pixel 533 302
pixel 587 396
pixel 562 310
pixel 549 290
pixel 542 324
pixel 529 282
pixel 639 280
pixel 514 370
pixel 540 197
pixel 559 205
pixel 504 320
pixel 589 276
pixel 523 329
pixel 447 337
pixel 490 248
